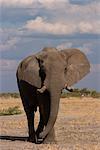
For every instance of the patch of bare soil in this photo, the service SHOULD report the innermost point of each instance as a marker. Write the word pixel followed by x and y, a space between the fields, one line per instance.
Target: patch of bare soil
pixel 77 126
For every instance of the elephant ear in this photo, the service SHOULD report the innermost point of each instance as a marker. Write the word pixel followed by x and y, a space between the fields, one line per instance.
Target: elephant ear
pixel 28 70
pixel 77 65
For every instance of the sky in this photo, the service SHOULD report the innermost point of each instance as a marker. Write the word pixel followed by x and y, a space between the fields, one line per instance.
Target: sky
pixel 26 26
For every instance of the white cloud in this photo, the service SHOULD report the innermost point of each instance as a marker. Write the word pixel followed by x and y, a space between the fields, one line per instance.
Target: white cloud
pixel 8 65
pixel 17 2
pixel 42 25
pixel 64 17
pixel 53 4
pixel 74 18
pixel 89 27
pixel 10 38
pixel 8 44
pixel 95 68
pixel 85 27
pixel 86 48
pixel 85 9
pixel 64 45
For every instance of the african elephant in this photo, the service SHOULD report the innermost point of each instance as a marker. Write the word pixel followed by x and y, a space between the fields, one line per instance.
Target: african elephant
pixel 41 78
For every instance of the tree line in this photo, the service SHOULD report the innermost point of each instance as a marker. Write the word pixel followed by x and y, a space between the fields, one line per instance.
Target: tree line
pixel 76 93
pixel 81 93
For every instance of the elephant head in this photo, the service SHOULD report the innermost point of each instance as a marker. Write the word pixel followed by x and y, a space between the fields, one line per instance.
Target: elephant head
pixel 62 69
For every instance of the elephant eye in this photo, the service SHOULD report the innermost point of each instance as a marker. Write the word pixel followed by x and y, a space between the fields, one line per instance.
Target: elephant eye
pixel 65 70
pixel 41 61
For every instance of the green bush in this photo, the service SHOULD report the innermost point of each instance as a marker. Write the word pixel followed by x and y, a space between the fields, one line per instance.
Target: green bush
pixel 94 94
pixel 76 93
pixel 13 95
pixel 81 92
pixel 10 111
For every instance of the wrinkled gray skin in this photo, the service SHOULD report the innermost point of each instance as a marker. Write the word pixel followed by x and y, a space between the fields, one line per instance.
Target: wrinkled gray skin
pixel 61 69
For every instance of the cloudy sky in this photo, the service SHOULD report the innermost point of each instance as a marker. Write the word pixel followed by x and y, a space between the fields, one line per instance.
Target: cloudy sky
pixel 26 26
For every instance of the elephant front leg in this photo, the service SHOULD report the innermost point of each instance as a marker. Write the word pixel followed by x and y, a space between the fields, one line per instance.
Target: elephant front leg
pixel 40 125
pixel 30 119
pixel 51 138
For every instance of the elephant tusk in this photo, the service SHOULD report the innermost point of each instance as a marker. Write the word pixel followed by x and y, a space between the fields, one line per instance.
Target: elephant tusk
pixel 42 90
pixel 68 88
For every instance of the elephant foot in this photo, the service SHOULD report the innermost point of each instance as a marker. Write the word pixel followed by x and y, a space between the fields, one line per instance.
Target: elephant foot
pixel 32 139
pixel 39 141
pixel 51 138
pixel 36 140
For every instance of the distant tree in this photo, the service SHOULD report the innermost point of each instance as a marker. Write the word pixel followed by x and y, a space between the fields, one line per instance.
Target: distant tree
pixel 94 94
pixel 85 92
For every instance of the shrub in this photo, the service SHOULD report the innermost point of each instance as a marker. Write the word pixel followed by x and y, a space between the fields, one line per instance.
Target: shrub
pixel 10 111
pixel 13 95
pixel 81 92
pixel 94 94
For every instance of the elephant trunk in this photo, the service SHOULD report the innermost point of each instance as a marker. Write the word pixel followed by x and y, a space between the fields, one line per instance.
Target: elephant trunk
pixel 55 93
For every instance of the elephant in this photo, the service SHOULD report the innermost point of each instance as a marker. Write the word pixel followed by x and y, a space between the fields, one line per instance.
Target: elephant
pixel 41 78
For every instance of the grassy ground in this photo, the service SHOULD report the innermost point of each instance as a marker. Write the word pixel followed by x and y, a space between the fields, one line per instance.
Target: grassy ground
pixel 77 126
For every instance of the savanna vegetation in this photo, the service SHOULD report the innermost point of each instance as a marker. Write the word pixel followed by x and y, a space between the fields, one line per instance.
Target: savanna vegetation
pixel 10 111
pixel 76 93
pixel 81 93
pixel 14 110
pixel 7 95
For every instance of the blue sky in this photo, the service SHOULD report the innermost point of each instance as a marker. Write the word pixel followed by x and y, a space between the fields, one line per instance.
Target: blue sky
pixel 26 26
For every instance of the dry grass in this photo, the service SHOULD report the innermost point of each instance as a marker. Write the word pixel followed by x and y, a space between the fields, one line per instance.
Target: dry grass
pixel 77 126
pixel 5 103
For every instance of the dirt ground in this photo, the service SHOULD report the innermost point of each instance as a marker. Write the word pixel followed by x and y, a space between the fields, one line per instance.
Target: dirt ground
pixel 77 126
